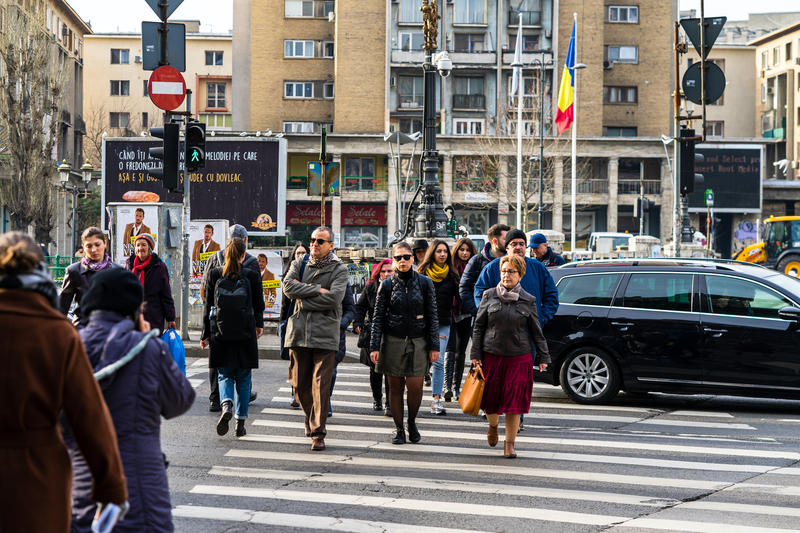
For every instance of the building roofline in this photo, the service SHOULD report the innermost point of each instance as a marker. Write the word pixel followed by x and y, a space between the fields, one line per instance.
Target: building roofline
pixel 75 17
pixel 775 34
pixel 122 35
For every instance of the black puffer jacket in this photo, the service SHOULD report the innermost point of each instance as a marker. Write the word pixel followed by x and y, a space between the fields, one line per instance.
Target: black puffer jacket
pixel 469 278
pixel 406 308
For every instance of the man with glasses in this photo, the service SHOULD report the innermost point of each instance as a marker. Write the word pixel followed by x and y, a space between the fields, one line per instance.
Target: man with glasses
pixel 312 332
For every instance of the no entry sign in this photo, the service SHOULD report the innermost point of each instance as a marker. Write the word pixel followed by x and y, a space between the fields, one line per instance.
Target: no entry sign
pixel 167 88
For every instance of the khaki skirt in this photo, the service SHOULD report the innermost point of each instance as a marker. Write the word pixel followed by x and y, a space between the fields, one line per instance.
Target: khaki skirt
pixel 403 356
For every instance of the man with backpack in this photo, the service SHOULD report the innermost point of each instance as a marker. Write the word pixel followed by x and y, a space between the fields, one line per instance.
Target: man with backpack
pixel 237 231
pixel 312 332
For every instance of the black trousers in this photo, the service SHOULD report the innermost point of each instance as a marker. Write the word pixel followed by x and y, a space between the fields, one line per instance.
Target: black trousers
pixel 213 383
pixel 456 353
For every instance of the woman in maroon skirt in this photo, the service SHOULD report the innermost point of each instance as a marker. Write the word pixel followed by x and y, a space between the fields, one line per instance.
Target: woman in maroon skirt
pixel 505 333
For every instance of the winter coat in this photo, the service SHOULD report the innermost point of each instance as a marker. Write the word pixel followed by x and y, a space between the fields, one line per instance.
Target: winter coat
pixel 537 281
pixel 45 371
pixel 507 328
pixel 76 283
pixel 348 313
pixel 158 304
pixel 551 259
pixel 218 260
pixel 446 292
pixel 406 308
pixel 138 395
pixel 317 317
pixel 366 305
pixel 466 287
pixel 233 354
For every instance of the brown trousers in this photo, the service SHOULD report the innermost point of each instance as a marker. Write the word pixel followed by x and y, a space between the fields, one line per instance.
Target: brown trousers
pixel 310 373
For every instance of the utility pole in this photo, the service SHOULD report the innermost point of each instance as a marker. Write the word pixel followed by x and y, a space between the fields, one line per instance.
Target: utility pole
pixel 323 160
pixel 187 217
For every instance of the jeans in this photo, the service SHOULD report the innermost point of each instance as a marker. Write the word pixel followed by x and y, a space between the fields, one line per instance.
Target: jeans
pixel 240 380
pixel 437 381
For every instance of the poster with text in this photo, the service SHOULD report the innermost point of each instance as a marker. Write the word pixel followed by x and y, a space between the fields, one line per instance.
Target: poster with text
pixel 206 237
pixel 270 264
pixel 132 221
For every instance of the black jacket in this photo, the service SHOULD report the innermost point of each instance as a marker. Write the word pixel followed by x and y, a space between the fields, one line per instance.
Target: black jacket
pixel 406 309
pixel 348 315
pixel 466 287
pixel 446 290
pixel 158 303
pixel 551 259
pixel 366 305
pixel 76 283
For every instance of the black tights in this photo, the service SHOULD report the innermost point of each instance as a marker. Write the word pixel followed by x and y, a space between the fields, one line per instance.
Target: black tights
pixel 397 385
pixel 376 381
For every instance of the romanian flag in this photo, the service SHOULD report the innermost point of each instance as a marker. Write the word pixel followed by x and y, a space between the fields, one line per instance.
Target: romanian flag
pixel 566 92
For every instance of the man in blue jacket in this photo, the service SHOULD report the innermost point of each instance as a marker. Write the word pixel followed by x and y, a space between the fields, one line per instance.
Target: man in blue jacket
pixel 494 249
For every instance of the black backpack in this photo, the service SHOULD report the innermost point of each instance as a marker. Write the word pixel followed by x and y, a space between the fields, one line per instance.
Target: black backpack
pixel 234 309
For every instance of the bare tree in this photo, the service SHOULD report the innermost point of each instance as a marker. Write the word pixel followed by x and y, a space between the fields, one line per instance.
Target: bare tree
pixel 98 126
pixel 33 78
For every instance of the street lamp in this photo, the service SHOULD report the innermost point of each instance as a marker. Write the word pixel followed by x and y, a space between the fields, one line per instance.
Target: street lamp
pixel 70 183
pixel 542 65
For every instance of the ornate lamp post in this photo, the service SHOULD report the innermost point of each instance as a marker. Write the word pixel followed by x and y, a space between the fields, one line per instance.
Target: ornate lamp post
pixel 71 184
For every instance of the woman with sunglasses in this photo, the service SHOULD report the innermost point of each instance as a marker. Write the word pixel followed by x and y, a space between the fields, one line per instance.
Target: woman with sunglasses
pixel 438 266
pixel 362 326
pixel 501 339
pixel 405 336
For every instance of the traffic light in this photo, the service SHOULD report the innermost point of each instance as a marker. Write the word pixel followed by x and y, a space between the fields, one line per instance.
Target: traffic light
pixel 688 178
pixel 167 153
pixel 195 145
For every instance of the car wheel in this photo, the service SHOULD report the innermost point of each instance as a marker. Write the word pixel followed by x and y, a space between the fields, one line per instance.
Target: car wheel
pixel 590 376
pixel 790 265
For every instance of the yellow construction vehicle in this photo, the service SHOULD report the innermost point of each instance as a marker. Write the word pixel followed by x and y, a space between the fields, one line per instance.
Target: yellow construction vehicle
pixel 780 248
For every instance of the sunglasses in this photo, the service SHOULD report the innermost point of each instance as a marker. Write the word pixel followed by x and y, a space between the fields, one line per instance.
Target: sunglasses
pixel 319 241
pixel 404 257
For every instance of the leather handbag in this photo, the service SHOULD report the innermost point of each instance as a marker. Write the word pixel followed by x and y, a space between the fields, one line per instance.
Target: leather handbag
pixel 472 390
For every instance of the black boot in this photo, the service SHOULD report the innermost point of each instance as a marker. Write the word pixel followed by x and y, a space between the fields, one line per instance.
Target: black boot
pixel 413 432
pixel 240 431
pixel 449 360
pixel 399 436
pixel 225 418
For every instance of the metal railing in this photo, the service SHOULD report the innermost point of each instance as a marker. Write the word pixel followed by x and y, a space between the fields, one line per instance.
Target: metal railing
pixel 593 186
pixel 469 101
pixel 297 182
pixel 475 184
pixel 365 183
pixel 58 265
pixel 529 18
pixel 632 187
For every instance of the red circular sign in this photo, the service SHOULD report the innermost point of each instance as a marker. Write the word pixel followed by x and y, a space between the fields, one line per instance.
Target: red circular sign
pixel 166 87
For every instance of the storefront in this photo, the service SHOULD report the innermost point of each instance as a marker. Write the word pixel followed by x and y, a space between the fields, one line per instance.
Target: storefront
pixel 364 225
pixel 302 218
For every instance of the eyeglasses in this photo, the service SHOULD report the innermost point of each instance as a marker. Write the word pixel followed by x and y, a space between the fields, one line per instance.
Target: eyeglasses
pixel 319 241
pixel 404 257
pixel 509 271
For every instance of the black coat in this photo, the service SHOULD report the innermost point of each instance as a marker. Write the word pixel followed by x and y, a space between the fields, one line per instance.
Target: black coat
pixel 469 278
pixel 76 283
pixel 551 259
pixel 446 291
pixel 233 354
pixel 406 309
pixel 158 304
pixel 348 314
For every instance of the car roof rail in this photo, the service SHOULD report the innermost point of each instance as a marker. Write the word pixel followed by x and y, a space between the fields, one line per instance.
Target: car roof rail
pixel 664 261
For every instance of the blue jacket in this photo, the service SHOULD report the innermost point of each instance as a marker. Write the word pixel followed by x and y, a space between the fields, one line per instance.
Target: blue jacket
pixel 536 281
pixel 469 277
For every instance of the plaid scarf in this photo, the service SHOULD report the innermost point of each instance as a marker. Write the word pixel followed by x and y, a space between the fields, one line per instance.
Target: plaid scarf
pixel 323 262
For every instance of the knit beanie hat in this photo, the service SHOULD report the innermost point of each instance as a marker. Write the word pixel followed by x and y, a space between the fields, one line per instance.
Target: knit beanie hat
pixel 148 238
pixel 113 289
pixel 515 234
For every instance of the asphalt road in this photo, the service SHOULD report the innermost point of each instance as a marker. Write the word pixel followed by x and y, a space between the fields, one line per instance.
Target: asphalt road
pixel 659 462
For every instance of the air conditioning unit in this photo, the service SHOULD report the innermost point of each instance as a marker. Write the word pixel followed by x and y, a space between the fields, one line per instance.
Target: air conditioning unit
pixel 795 164
pixel 608 65
pixel 769 90
pixel 331 16
pixel 137 59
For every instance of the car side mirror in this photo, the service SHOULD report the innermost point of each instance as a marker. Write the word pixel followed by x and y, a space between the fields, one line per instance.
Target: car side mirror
pixel 790 313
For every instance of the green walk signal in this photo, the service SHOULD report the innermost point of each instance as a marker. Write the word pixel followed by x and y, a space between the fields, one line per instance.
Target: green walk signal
pixel 195 154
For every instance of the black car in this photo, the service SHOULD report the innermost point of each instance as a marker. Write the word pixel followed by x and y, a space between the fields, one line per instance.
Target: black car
pixel 674 325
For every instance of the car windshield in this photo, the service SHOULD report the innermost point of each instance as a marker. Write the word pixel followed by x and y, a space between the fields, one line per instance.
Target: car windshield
pixel 787 283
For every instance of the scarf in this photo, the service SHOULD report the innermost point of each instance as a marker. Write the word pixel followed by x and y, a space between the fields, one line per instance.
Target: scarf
pixel 323 262
pixel 438 273
pixel 508 295
pixel 96 265
pixel 139 266
pixel 37 280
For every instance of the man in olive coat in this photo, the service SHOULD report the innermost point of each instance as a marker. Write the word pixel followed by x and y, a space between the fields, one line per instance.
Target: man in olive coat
pixel 312 332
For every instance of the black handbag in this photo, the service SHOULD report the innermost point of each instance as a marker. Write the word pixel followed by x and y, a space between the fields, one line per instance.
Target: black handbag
pixel 364 337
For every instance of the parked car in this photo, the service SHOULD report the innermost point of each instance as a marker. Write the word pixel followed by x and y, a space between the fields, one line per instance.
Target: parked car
pixel 674 325
pixel 478 240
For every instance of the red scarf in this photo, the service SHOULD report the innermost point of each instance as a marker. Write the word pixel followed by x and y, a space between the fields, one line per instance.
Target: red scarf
pixel 138 267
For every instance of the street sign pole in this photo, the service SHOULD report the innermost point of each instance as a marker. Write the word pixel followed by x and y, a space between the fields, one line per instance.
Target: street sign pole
pixel 187 217
pixel 323 159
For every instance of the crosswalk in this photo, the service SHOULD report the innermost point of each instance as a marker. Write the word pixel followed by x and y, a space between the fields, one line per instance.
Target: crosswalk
pixel 580 468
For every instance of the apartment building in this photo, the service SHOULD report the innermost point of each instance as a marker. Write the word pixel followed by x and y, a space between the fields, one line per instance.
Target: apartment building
pixel 117 102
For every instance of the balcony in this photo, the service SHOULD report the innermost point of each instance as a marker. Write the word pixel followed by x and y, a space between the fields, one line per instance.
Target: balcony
pixel 414 57
pixel 529 18
pixel 469 101
pixel 365 183
pixel 311 9
pixel 632 186
pixel 464 57
pixel 475 184
pixel 593 186
pixel 411 101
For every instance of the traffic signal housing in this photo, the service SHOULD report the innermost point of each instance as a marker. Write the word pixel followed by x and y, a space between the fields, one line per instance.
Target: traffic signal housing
pixel 688 178
pixel 641 206
pixel 195 155
pixel 168 153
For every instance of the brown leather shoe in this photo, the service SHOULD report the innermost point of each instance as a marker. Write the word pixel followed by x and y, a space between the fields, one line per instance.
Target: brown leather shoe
pixel 491 436
pixel 317 444
pixel 508 450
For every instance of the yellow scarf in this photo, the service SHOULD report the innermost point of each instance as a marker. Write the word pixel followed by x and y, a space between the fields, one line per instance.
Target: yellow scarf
pixel 438 273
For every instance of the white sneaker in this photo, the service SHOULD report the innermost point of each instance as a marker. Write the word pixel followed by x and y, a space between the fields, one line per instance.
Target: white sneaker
pixel 437 408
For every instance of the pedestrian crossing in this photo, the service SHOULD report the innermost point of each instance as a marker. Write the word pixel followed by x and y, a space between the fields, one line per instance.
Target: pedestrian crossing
pixel 579 468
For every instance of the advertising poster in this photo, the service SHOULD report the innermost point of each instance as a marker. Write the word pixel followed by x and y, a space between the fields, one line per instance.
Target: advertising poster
pixel 358 275
pixel 270 264
pixel 133 220
pixel 206 237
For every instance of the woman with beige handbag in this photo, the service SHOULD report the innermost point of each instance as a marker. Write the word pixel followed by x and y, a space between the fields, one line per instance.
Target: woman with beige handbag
pixel 505 333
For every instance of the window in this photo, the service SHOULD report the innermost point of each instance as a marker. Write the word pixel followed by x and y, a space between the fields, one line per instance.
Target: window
pixel 213 57
pixel 619 131
pixel 623 14
pixel 788 52
pixel 327 49
pixel 145 121
pixel 217 120
pixel 664 292
pixel 776 55
pixel 620 95
pixel 298 48
pixel 299 8
pixel 467 126
pixel 715 128
pixel 327 90
pixel 119 120
pixel 120 56
pixel 622 54
pixel 764 60
pixel 588 290
pixel 470 12
pixel 470 174
pixel 411 41
pixel 216 95
pixel 530 43
pixel 469 42
pixel 468 93
pixel 120 88
pixel 763 92
pixel 359 174
pixel 298 127
pixel 145 88
pixel 298 89
pixel 411 91
pixel 410 11
pixel 732 296
pixel 410 125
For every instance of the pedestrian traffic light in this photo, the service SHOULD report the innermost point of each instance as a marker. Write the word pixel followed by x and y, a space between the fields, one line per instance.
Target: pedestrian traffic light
pixel 688 178
pixel 642 206
pixel 167 153
pixel 195 155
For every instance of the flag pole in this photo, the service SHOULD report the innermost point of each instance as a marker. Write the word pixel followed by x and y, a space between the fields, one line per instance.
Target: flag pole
pixel 520 83
pixel 573 224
